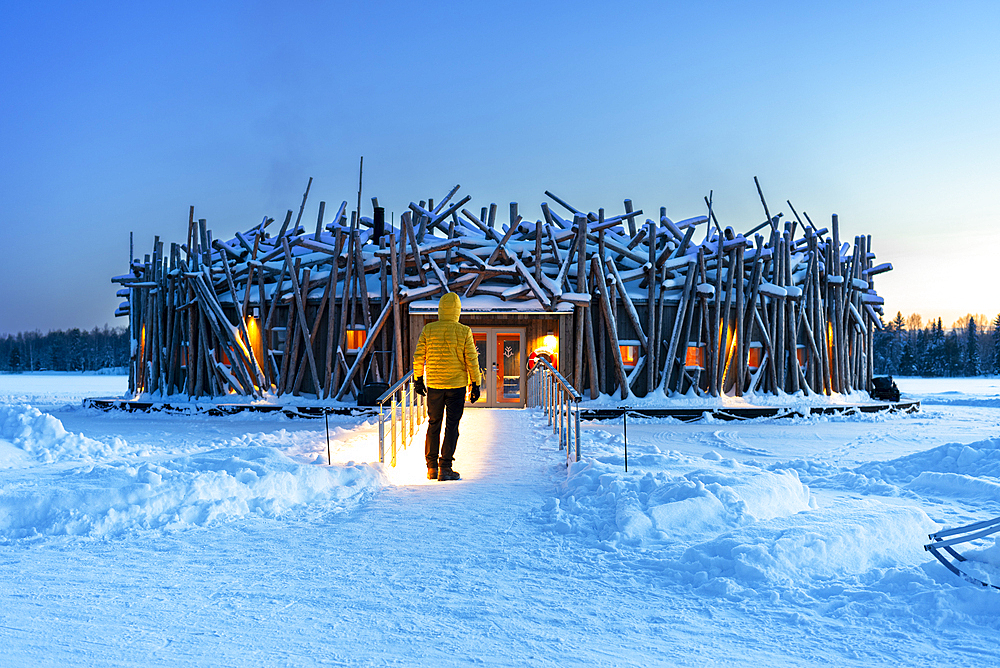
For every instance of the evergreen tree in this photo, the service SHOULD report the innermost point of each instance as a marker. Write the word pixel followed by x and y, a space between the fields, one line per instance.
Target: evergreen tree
pixel 954 355
pixel 973 365
pixel 922 351
pixel 898 326
pixel 74 350
pixel 996 346
pixel 907 360
pixel 937 354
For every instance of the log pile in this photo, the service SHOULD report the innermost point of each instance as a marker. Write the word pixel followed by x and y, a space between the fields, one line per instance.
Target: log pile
pixel 296 308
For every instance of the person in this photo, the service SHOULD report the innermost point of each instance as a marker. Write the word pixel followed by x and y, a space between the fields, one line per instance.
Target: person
pixel 447 358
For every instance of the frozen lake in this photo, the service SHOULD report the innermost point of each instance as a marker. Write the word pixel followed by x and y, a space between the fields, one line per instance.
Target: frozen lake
pixel 132 539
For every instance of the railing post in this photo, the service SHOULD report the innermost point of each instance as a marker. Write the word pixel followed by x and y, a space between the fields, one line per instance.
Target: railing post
pixel 563 421
pixel 577 404
pixel 555 402
pixel 402 414
pixel 409 401
pixel 561 392
pixel 381 435
pixel 394 402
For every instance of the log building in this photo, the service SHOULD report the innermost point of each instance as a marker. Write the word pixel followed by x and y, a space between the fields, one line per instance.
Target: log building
pixel 625 304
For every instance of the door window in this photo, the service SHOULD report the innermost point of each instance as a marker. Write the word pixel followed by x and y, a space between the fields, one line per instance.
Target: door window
pixel 509 367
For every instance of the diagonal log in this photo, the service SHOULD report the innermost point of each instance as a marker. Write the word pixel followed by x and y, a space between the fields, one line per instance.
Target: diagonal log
pixel 300 303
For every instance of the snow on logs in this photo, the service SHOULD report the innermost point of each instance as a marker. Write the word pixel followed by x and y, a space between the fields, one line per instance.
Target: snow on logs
pixel 785 307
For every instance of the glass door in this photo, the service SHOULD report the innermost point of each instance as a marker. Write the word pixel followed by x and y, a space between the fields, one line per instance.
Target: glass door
pixel 510 375
pixel 501 363
pixel 482 346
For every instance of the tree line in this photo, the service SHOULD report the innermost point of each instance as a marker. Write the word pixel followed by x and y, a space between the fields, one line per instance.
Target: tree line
pixel 907 347
pixel 72 350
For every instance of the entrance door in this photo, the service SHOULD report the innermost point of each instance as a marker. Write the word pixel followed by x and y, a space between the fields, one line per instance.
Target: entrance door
pixel 501 362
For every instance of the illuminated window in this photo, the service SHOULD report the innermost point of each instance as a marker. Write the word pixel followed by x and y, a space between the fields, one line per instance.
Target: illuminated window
pixel 754 356
pixel 801 355
pixel 695 356
pixel 256 338
pixel 630 356
pixel 356 339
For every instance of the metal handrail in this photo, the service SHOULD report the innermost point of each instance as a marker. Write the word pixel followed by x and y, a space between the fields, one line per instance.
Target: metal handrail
pixel 548 389
pixel 402 399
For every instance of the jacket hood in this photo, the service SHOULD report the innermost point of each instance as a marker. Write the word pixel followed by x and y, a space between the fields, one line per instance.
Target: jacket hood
pixel 449 307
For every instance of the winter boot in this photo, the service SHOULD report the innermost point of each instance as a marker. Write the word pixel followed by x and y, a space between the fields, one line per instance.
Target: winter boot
pixel 446 473
pixel 432 474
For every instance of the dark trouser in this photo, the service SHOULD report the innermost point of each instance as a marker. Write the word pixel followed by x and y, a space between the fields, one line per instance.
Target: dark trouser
pixel 437 401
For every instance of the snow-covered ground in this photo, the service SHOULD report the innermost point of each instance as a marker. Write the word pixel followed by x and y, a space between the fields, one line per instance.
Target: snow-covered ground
pixel 152 540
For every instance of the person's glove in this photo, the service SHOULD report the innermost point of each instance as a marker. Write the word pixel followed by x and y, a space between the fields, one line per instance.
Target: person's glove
pixel 473 393
pixel 419 387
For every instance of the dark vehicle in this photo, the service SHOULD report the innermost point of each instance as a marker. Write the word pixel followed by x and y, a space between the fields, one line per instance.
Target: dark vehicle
pixel 885 389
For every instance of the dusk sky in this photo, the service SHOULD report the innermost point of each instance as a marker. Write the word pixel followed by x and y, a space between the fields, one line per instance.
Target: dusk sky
pixel 116 117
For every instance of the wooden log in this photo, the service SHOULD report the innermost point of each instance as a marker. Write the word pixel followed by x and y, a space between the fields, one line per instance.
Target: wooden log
pixel 302 207
pixel 248 350
pixel 579 338
pixel 563 204
pixel 363 280
pixel 366 348
pixel 669 359
pixel 345 302
pixel 651 349
pixel 284 225
pixel 633 313
pixel 438 274
pixel 685 337
pixel 612 328
pixel 224 335
pixel 538 251
pixel 411 235
pixel 319 221
pixel 486 229
pixel 740 371
pixel 300 303
pixel 265 337
pixel 397 320
pixel 593 369
pixel 192 337
pixel 715 346
pixel 297 362
pixel 204 343
pixel 554 246
pixel 790 320
pixel 725 358
pixel 533 285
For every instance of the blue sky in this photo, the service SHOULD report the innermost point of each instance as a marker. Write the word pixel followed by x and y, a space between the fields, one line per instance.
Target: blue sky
pixel 117 117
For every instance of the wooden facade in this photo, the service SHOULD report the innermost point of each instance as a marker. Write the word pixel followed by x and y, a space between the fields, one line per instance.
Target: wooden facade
pixel 628 307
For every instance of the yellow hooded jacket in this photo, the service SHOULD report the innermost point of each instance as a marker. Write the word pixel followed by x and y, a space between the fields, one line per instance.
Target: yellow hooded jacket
pixel 447 349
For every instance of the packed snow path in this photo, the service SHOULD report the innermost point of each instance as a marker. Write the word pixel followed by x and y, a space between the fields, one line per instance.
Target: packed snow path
pixel 517 564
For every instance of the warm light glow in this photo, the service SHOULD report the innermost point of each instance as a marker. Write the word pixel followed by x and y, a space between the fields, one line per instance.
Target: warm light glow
pixel 356 339
pixel 754 356
pixel 695 356
pixel 256 339
pixel 551 342
pixel 362 446
pixel 800 354
pixel 140 386
pixel 730 351
pixel 829 342
pixel 630 356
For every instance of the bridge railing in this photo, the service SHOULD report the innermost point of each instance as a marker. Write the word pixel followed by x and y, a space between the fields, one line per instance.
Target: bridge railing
pixel 402 410
pixel 548 389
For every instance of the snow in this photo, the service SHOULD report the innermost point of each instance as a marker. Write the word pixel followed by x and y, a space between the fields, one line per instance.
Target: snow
pixel 159 540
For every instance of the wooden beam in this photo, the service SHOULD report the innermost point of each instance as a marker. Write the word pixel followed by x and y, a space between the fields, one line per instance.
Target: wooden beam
pixel 300 303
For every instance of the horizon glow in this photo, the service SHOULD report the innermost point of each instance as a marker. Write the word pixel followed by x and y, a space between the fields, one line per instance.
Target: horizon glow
pixel 118 117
